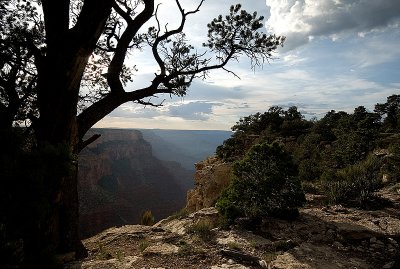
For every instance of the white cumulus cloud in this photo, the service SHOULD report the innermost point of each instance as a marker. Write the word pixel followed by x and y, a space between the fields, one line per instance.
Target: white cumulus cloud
pixel 302 20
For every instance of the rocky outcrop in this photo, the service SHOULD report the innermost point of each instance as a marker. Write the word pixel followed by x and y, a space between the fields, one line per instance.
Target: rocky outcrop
pixel 332 238
pixel 119 179
pixel 211 177
pixel 321 237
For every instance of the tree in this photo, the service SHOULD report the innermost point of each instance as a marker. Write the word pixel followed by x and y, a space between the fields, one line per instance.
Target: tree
pixel 390 111
pixel 18 76
pixel 264 184
pixel 69 69
pixel 294 123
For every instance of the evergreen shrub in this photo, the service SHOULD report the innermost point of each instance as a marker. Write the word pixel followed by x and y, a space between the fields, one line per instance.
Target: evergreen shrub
pixel 264 184
pixel 354 185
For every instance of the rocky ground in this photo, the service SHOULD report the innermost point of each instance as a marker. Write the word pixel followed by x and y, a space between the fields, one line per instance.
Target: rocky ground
pixel 321 238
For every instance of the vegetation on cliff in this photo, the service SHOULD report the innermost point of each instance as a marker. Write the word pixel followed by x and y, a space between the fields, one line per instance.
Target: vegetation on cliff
pixel 344 156
pixel 264 183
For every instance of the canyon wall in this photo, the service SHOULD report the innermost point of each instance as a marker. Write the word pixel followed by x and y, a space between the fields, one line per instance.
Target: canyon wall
pixel 120 178
pixel 211 177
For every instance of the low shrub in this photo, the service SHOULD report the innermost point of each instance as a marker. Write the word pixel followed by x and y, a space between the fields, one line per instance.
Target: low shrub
pixel 179 214
pixel 143 244
pixel 264 184
pixel 202 229
pixel 147 218
pixel 354 185
pixel 185 249
pixel 234 245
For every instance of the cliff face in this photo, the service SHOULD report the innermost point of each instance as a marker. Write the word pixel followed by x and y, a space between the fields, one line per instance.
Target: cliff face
pixel 211 177
pixel 119 178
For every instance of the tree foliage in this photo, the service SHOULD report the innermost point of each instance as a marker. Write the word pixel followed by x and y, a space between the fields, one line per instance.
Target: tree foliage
pixel 355 184
pixel 264 184
pixel 97 37
pixel 390 111
pixel 265 127
pixel 19 30
pixel 333 156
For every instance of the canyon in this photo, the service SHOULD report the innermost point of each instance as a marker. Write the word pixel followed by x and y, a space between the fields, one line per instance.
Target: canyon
pixel 127 172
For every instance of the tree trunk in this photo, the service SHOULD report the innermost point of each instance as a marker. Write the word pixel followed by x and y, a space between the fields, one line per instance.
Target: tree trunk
pixel 54 227
pixel 56 231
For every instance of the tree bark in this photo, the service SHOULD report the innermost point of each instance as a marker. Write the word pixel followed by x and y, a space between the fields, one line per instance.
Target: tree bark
pixel 56 230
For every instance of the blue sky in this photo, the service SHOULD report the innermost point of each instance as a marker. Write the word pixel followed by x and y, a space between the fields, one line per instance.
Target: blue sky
pixel 338 54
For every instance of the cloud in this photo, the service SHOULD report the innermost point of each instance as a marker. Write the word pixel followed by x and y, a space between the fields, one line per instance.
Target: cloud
pixel 207 90
pixel 302 20
pixel 136 111
pixel 376 50
pixel 186 110
pixel 198 110
pixel 351 58
pixel 293 59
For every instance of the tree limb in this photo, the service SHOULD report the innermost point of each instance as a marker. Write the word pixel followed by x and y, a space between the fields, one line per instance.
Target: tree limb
pixel 168 34
pixel 117 62
pixel 85 143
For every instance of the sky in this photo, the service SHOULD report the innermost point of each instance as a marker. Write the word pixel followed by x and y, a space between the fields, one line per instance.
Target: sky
pixel 338 54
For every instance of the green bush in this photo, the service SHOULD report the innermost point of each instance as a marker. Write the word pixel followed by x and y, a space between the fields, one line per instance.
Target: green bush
pixel 182 213
pixel 147 218
pixel 392 162
pixel 264 184
pixel 355 184
pixel 143 244
pixel 203 229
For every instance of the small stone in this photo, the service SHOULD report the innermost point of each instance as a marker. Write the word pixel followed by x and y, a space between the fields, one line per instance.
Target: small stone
pixel 393 242
pixel 161 249
pixel 372 240
pixel 263 264
pixel 230 261
pixel 389 265
pixel 337 245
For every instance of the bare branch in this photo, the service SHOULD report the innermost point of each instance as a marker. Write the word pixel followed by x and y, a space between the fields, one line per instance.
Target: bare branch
pixel 170 33
pixel 231 72
pixel 83 144
pixel 122 13
pixel 148 103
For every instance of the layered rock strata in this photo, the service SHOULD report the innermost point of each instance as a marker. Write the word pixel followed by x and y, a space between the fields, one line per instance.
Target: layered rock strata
pixel 211 177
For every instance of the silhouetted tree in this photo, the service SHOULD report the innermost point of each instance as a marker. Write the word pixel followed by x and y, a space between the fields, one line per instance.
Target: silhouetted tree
pixel 65 72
